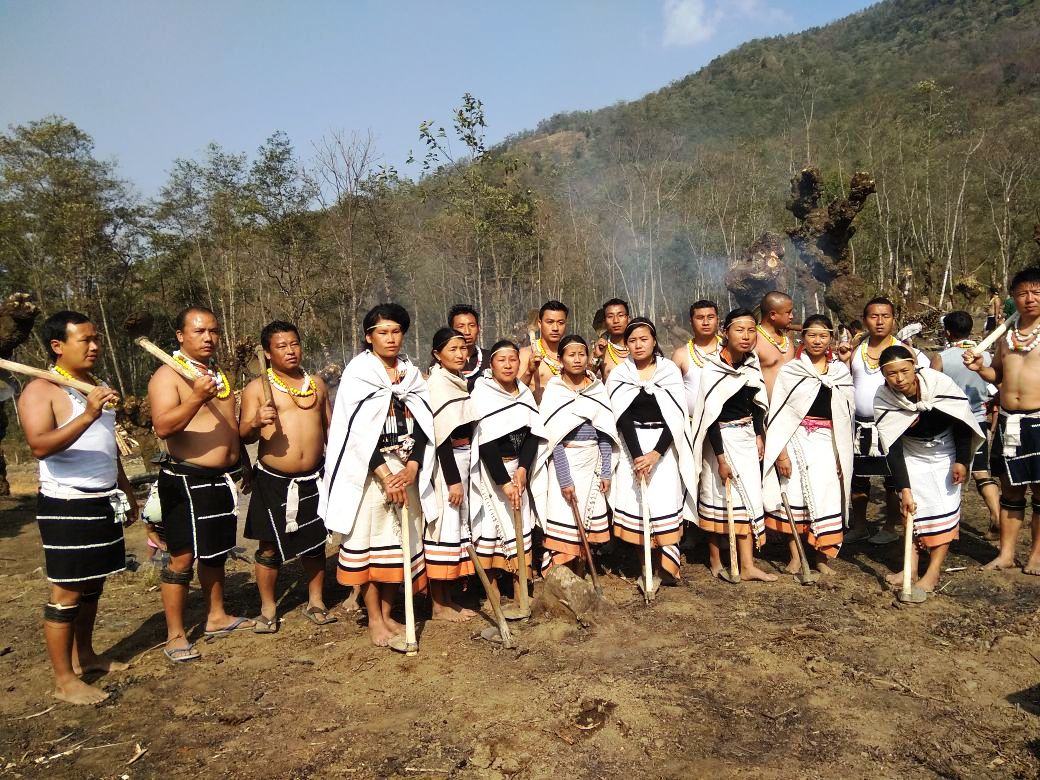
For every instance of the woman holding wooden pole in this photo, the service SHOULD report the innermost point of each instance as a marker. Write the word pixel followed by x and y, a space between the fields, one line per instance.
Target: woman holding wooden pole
pixel 576 462
pixel 380 458
pixel 728 428
pixel 647 397
pixel 505 440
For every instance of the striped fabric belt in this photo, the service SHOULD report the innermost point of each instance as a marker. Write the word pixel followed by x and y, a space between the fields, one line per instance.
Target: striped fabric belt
pixel 741 423
pixel 812 424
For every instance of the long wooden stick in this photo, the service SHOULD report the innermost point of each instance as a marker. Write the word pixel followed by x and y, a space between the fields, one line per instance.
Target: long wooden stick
pixel 411 645
pixel 521 561
pixel 648 564
pixel 998 331
pixel 731 529
pixel 585 546
pixel 908 554
pixel 163 357
pixel 50 376
pixel 496 603
pixel 265 382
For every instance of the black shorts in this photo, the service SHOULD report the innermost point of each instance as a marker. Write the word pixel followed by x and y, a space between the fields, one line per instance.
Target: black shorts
pixel 1023 468
pixel 266 521
pixel 198 509
pixel 991 324
pixel 981 460
pixel 81 539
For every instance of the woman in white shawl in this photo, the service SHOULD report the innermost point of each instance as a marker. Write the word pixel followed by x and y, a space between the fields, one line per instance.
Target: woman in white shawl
pixel 647 396
pixel 576 461
pixel 506 432
pixel 929 434
pixel 448 534
pixel 380 456
pixel 809 445
pixel 728 428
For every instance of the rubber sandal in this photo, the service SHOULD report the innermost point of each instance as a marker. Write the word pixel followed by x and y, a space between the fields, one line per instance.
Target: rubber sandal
pixel 179 655
pixel 265 625
pixel 235 625
pixel 318 616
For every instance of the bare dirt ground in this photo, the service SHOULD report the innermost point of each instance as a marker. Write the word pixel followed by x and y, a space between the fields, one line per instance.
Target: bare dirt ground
pixel 754 681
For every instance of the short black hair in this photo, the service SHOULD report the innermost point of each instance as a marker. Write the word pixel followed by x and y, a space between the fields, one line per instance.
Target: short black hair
pixel 616 302
pixel 993 289
pixel 1025 276
pixel 394 312
pixel 855 325
pixel 571 338
pixel 501 344
pixel 56 328
pixel 879 300
pixel 895 352
pixel 821 319
pixel 736 314
pixel 182 316
pixel 278 326
pixel 643 322
pixel 704 303
pixel 553 306
pixel 959 324
pixel 462 308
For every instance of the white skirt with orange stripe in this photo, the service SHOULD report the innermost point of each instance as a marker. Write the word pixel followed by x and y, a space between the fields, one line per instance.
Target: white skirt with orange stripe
pixel 742 455
pixel 447 536
pixel 562 542
pixel 665 494
pixel 493 529
pixel 814 491
pixel 371 552
pixel 929 465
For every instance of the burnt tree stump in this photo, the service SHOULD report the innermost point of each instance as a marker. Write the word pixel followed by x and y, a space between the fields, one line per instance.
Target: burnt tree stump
pixel 823 235
pixel 757 271
pixel 17 315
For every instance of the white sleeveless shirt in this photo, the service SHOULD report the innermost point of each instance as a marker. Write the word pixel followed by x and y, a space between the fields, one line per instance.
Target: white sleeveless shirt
pixel 691 378
pixel 867 381
pixel 90 462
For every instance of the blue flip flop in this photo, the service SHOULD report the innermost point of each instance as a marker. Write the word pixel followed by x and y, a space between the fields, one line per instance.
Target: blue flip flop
pixel 179 655
pixel 236 625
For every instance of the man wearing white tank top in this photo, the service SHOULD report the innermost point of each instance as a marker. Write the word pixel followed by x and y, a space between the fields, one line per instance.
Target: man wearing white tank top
pixel 704 322
pixel 879 320
pixel 85 500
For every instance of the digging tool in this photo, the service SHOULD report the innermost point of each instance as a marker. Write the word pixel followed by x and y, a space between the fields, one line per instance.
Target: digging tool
pixel 137 327
pixel 265 382
pixel 524 610
pixel 731 575
pixel 409 646
pixel 50 376
pixel 909 593
pixel 996 335
pixel 491 634
pixel 648 583
pixel 585 547
pixel 806 576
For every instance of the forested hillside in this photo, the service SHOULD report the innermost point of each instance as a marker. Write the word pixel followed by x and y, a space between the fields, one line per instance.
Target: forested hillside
pixel 652 200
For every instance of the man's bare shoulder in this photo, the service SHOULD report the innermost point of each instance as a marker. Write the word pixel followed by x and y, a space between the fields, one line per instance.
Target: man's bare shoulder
pixel 319 385
pixel 164 375
pixel 39 391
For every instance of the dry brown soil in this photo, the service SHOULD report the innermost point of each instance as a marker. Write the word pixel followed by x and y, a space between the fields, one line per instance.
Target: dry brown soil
pixel 754 681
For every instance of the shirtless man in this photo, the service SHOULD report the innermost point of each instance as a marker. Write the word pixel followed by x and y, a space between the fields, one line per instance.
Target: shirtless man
pixel 774 346
pixel 540 361
pixel 610 350
pixel 197 492
pixel 1016 446
pixel 466 320
pixel 704 322
pixel 73 436
pixel 283 511
pixel 995 312
pixel 879 320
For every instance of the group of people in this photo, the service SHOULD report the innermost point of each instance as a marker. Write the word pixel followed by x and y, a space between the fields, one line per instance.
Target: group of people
pixel 504 458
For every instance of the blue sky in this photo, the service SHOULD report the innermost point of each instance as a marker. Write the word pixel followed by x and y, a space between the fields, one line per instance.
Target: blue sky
pixel 153 81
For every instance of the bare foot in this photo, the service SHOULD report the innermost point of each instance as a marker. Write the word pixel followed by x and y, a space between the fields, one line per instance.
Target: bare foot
pixel 896 578
pixel 715 569
pixel 1032 567
pixel 753 573
pixel 793 567
pixel 351 603
pixel 75 691
pixel 98 663
pixel 452 614
pixel 825 570
pixel 1000 563
pixel 927 584
pixel 393 626
pixel 380 634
